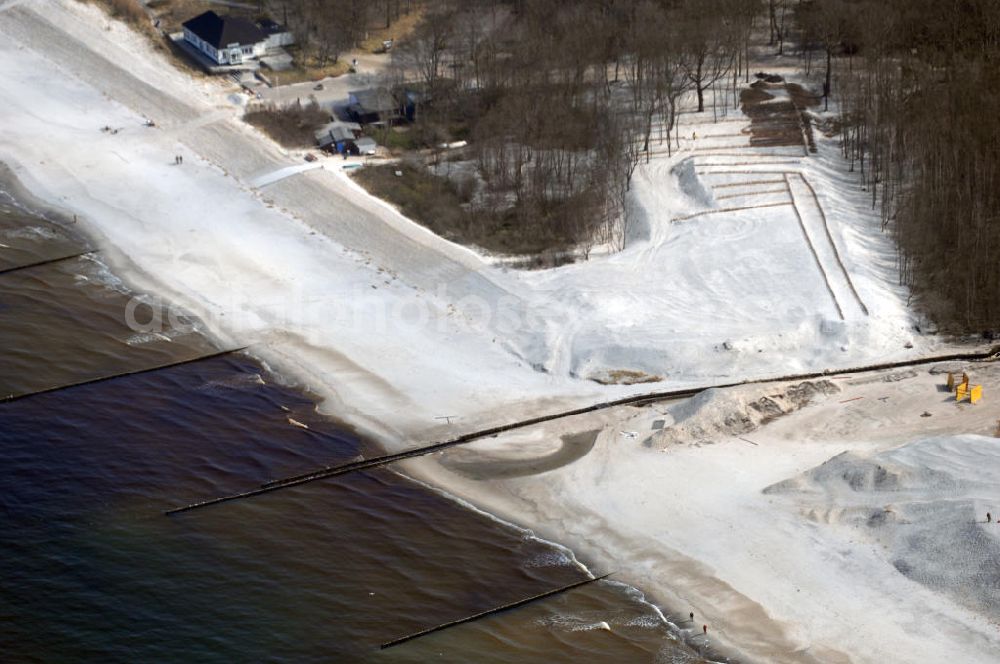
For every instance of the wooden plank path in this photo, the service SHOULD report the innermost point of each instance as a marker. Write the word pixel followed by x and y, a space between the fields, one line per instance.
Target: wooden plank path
pixel 826 227
pixel 635 400
pixel 816 229
pixel 808 238
pixel 752 192
pixel 730 209
pixel 747 184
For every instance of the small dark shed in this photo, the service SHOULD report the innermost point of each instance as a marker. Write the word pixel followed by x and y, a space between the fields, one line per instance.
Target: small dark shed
pixel 373 106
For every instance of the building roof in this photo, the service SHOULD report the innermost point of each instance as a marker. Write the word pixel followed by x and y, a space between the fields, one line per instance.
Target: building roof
pixel 375 100
pixel 342 134
pixel 339 127
pixel 221 31
pixel 336 132
pixel 270 27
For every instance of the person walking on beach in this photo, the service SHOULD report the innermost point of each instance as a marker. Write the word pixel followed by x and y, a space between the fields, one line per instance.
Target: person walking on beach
pixel 692 616
pixel 704 628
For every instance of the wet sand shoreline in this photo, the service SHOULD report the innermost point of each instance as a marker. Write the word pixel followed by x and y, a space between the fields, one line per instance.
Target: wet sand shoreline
pixel 572 450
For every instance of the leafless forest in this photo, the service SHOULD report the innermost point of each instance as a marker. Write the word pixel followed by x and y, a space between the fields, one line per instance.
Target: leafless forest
pixel 561 101
pixel 917 85
pixel 325 29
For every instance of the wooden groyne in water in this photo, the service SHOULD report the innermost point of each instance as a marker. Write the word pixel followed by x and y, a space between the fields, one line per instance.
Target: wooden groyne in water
pixel 505 607
pixel 636 400
pixel 91 381
pixel 47 261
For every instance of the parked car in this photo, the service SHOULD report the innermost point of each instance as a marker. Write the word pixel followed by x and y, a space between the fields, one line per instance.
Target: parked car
pixel 366 146
pixel 318 86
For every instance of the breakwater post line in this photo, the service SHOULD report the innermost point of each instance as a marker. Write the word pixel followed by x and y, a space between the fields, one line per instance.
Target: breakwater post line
pixel 505 607
pixel 48 261
pixel 636 400
pixel 17 397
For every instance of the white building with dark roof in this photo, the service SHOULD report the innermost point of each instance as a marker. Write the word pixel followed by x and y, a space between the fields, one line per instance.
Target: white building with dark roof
pixel 225 40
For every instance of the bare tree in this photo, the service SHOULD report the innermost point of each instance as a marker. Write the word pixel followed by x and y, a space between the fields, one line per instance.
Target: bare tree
pixel 776 10
pixel 917 120
pixel 824 22
pixel 423 52
pixel 711 33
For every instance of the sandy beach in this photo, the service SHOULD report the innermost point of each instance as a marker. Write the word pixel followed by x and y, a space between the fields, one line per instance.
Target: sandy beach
pixel 806 572
pixel 410 338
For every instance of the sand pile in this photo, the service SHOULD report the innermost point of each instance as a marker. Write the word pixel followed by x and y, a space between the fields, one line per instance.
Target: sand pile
pixel 923 506
pixel 715 414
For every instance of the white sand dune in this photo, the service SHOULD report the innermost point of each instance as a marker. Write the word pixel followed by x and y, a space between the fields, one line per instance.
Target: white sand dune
pixel 849 530
pixel 397 327
pixel 393 324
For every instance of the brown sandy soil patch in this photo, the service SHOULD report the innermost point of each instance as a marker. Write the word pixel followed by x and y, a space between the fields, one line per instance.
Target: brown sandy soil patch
pixel 292 127
pixel 779 123
pixel 481 465
pixel 442 205
pixel 625 377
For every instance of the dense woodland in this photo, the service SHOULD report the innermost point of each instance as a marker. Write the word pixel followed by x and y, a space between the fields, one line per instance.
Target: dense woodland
pixel 918 86
pixel 561 101
pixel 325 29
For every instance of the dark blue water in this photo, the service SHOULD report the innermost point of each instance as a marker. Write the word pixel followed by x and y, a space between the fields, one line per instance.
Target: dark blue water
pixel 92 570
pixel 89 471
